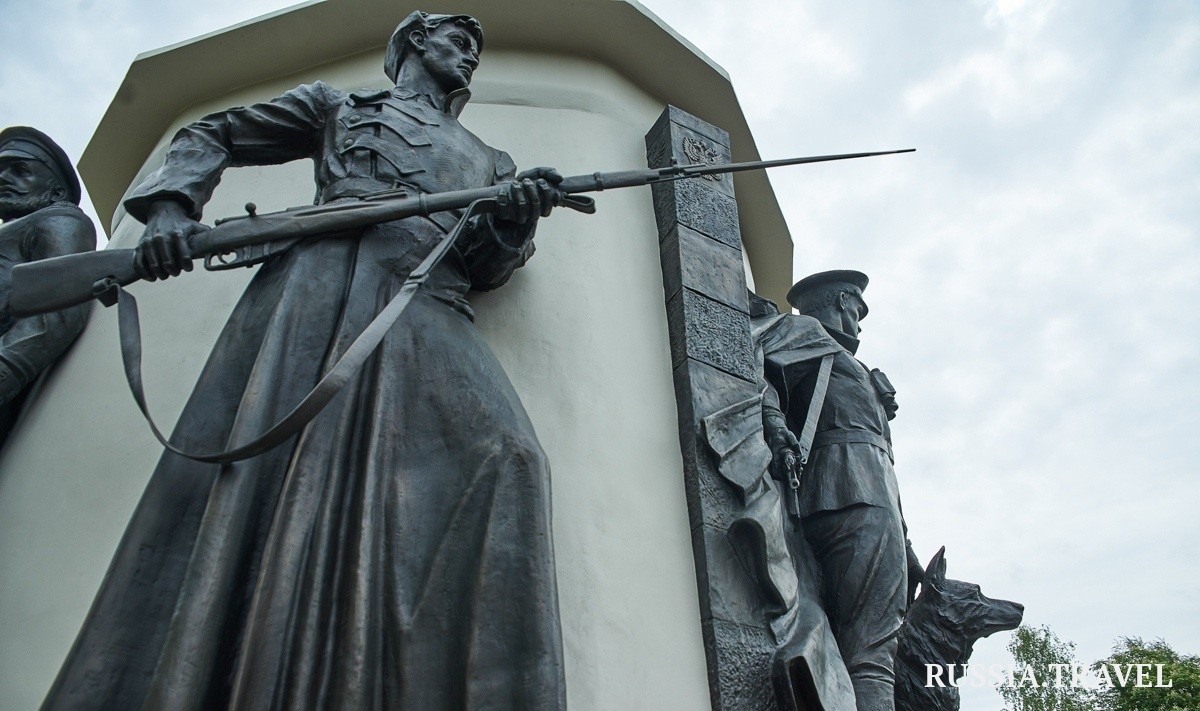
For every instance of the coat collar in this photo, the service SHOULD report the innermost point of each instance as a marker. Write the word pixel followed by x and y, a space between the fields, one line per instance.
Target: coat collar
pixel 847 341
pixel 453 105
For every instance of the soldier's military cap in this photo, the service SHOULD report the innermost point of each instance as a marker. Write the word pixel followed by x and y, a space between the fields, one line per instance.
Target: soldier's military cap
pixel 858 280
pixel 25 143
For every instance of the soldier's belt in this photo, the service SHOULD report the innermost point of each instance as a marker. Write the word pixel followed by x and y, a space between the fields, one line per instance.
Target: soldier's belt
pixel 829 437
pixel 372 189
pixel 356 187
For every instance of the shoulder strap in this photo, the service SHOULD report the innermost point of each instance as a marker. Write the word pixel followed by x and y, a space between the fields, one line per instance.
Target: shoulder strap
pixel 814 407
pixel 807 434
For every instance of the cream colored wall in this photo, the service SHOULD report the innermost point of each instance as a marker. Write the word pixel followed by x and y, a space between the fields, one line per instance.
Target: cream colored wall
pixel 581 330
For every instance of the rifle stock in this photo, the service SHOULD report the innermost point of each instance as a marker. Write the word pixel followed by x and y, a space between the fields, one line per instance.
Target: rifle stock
pixel 60 282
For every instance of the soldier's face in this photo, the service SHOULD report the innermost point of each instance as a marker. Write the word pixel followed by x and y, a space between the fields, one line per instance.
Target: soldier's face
pixel 450 55
pixel 25 186
pixel 854 309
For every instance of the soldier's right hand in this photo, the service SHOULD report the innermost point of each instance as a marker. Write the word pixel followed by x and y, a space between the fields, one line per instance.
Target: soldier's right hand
pixel 785 453
pixel 163 249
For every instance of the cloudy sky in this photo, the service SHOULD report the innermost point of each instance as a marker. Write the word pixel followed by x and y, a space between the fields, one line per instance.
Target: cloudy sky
pixel 1035 265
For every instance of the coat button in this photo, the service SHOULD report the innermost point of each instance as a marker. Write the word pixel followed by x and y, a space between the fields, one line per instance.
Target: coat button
pixel 348 142
pixel 355 118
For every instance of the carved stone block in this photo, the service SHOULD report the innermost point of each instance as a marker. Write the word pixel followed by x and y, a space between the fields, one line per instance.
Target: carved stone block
pixel 698 206
pixel 744 654
pixel 705 266
pixel 711 332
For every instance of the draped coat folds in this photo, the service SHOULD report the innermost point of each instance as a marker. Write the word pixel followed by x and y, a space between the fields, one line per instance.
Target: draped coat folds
pixel 395 554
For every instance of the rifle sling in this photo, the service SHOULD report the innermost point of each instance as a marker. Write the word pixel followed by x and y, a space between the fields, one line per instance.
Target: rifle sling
pixel 814 408
pixel 316 400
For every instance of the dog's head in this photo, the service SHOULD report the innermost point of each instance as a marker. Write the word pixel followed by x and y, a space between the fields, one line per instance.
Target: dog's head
pixel 960 611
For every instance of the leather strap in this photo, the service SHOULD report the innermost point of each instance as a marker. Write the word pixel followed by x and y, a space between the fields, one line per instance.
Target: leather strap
pixel 316 400
pixel 814 408
pixel 809 431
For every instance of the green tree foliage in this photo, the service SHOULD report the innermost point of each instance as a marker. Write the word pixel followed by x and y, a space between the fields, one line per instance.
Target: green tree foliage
pixel 1037 649
pixel 1182 672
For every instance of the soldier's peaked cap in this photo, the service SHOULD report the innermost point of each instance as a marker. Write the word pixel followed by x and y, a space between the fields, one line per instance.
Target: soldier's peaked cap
pixel 31 144
pixel 858 280
pixel 418 20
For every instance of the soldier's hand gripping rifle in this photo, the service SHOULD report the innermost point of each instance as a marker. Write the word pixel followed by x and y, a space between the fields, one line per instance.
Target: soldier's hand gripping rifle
pixel 51 284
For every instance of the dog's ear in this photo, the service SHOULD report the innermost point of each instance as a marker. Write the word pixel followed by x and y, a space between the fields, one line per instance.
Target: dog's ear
pixel 935 574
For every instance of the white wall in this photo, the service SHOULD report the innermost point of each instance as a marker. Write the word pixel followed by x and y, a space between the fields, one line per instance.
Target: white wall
pixel 581 331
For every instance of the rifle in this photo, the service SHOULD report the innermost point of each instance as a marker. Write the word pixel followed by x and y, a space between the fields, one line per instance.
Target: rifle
pixel 245 240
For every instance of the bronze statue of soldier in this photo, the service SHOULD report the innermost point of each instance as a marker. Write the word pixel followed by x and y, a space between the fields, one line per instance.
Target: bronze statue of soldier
pixel 396 553
pixel 39 204
pixel 831 445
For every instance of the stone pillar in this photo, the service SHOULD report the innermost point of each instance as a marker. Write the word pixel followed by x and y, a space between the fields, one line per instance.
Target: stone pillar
pixel 713 365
